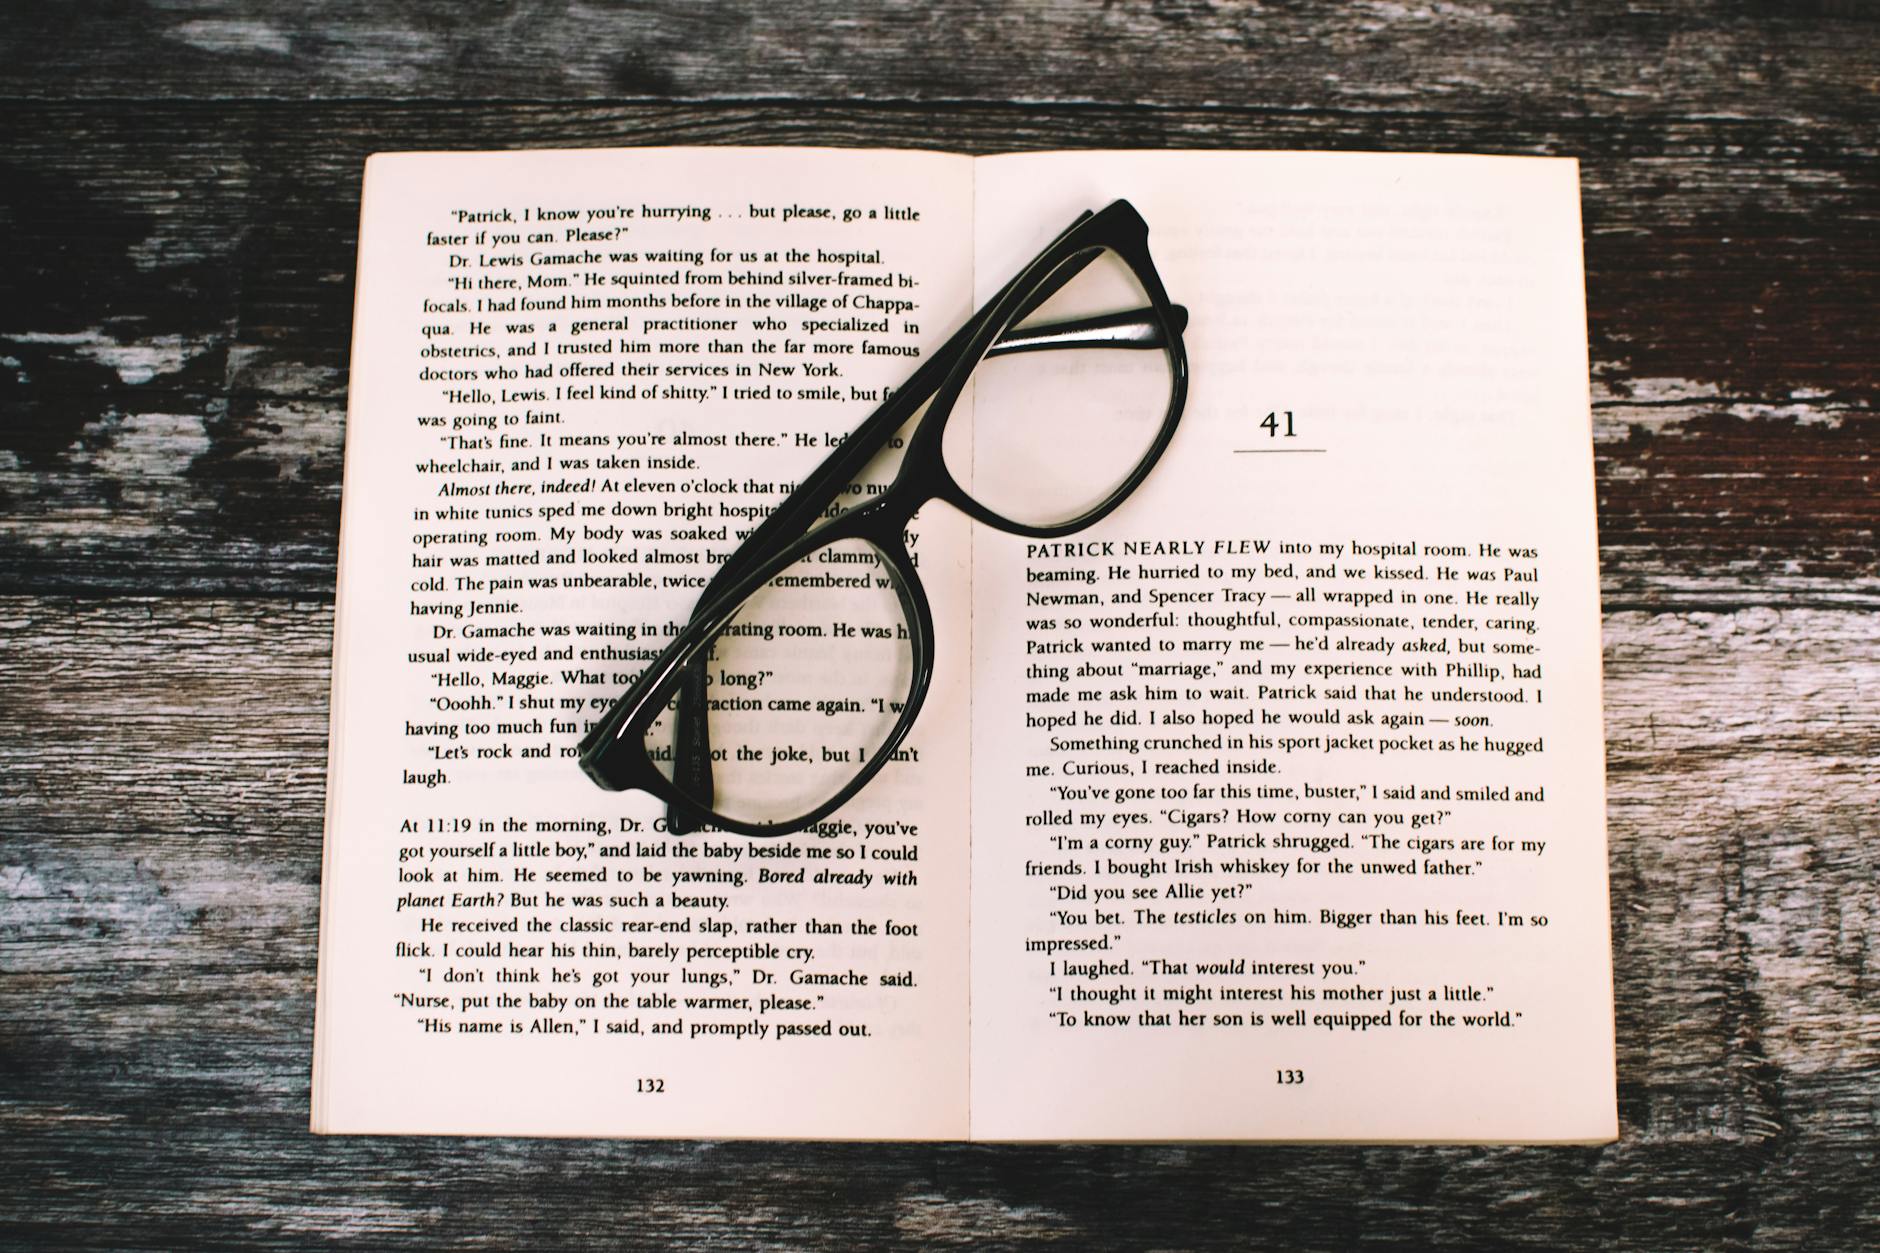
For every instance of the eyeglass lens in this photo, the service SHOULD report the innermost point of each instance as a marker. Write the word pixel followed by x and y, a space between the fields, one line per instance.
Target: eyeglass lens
pixel 804 684
pixel 809 678
pixel 1047 436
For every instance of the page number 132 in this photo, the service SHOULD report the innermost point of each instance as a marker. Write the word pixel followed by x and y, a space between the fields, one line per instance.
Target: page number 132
pixel 1286 1078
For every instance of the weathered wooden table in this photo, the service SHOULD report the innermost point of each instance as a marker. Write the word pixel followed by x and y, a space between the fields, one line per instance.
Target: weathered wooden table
pixel 177 218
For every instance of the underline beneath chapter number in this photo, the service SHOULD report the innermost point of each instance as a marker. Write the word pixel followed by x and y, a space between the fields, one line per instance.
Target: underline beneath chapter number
pixel 1264 450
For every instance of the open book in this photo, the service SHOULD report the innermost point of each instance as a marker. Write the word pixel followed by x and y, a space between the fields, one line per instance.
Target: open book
pixel 1270 807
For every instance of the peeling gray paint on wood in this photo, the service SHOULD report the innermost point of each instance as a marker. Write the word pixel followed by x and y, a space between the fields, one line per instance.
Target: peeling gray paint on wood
pixel 1606 57
pixel 158 909
pixel 178 202
pixel 186 431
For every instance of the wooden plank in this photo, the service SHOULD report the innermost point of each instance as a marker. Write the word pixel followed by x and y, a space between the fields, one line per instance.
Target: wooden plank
pixel 178 204
pixel 1803 61
pixel 172 375
pixel 159 859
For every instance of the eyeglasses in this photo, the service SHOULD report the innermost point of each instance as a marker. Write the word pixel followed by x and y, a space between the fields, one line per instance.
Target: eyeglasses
pixel 810 653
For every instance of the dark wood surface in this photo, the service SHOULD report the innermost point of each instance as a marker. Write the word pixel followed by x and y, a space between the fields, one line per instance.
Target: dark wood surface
pixel 178 202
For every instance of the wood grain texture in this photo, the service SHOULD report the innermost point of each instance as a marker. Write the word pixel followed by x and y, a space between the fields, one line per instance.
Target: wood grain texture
pixel 1611 57
pixel 178 203
pixel 158 908
pixel 172 378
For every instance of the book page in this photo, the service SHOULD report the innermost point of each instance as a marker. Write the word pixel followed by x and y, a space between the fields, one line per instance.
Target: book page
pixel 578 379
pixel 1288 776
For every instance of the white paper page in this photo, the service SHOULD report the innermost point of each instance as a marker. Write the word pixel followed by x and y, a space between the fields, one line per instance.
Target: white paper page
pixel 578 378
pixel 1227 900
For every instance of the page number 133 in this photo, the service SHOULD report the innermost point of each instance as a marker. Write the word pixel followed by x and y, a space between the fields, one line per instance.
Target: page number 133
pixel 1287 1078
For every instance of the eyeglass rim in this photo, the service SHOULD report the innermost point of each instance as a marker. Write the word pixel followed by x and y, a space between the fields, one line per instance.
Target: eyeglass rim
pixel 650 693
pixel 621 761
pixel 924 455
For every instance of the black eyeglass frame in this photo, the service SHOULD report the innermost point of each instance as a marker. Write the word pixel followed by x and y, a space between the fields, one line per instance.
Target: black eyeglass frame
pixel 614 753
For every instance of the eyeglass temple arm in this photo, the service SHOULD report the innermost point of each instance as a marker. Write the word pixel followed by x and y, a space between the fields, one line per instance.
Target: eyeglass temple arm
pixel 799 511
pixel 1136 329
pixel 792 516
pixel 691 756
pixel 1131 329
